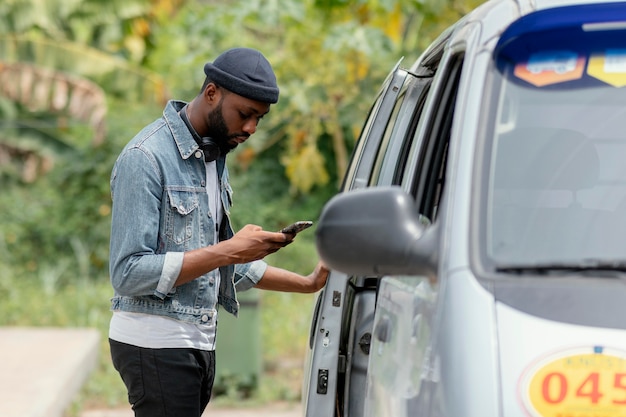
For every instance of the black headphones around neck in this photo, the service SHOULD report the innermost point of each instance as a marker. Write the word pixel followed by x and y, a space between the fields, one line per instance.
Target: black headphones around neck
pixel 211 149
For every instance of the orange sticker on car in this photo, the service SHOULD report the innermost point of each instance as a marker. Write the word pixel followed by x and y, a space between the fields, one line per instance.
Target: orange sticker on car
pixel 586 382
pixel 546 68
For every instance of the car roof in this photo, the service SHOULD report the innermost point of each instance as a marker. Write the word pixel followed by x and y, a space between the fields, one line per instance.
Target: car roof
pixel 546 4
pixel 495 16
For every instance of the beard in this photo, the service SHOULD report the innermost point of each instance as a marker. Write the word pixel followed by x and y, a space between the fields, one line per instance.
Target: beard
pixel 218 131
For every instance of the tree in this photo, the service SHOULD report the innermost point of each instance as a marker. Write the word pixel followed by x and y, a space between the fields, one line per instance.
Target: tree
pixel 330 57
pixel 62 62
pixel 56 59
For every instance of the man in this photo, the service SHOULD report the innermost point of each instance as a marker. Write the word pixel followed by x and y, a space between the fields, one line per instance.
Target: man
pixel 174 256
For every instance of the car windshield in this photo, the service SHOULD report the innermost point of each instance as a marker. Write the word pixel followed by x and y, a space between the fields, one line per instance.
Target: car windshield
pixel 556 190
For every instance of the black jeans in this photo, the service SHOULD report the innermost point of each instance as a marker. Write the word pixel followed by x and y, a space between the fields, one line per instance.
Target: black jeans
pixel 165 382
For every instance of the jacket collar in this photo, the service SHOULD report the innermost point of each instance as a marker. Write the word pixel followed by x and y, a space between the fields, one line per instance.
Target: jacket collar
pixel 185 143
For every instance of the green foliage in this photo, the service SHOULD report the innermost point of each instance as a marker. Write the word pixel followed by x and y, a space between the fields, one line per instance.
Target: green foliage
pixel 321 69
pixel 329 56
pixel 46 222
pixel 261 196
pixel 110 25
pixel 121 77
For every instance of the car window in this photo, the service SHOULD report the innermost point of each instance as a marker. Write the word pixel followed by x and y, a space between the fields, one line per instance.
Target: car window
pixel 556 172
pixel 360 144
pixel 428 179
pixel 368 144
pixel 387 137
pixel 393 153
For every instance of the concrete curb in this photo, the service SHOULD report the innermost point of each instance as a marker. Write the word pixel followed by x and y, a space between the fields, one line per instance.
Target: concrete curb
pixel 43 368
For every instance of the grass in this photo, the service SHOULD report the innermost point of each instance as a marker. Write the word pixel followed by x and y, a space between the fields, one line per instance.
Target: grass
pixel 43 298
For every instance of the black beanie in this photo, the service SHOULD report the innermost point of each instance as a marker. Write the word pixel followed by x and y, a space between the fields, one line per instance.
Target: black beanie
pixel 246 72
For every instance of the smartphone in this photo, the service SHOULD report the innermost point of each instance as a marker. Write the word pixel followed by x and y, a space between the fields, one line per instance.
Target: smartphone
pixel 297 227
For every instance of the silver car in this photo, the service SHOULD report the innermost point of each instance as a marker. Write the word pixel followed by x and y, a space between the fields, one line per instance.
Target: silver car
pixel 478 245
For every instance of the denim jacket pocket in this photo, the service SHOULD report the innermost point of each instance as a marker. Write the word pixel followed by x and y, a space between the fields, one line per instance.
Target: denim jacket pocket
pixel 180 216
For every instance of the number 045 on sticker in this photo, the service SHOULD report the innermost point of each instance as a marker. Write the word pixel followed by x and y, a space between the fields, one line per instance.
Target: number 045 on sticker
pixel 588 382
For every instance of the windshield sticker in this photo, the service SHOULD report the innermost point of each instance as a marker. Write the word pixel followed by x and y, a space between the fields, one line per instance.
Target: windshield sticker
pixel 585 382
pixel 609 67
pixel 546 68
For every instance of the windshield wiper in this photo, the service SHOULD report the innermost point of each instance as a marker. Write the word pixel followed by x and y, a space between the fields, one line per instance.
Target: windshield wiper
pixel 587 267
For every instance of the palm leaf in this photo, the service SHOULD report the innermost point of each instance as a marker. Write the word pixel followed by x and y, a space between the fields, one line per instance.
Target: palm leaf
pixel 117 75
pixel 43 90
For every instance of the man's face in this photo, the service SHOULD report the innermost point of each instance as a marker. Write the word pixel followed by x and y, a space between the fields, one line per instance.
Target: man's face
pixel 234 119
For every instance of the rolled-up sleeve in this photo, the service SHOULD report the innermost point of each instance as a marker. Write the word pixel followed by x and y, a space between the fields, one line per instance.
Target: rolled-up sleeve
pixel 248 275
pixel 171 269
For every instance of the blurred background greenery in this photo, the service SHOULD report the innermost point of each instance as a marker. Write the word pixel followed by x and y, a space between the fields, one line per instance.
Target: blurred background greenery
pixel 78 78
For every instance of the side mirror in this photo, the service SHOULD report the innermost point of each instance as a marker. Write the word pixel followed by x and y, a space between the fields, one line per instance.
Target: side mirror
pixel 376 231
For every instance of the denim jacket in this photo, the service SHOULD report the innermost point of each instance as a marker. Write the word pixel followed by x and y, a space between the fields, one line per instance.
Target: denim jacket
pixel 160 210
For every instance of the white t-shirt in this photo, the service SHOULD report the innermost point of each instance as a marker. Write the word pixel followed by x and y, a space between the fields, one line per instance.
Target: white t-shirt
pixel 158 332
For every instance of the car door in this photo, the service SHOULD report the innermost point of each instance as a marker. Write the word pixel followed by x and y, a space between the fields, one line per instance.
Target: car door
pixel 325 363
pixel 337 362
pixel 403 368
